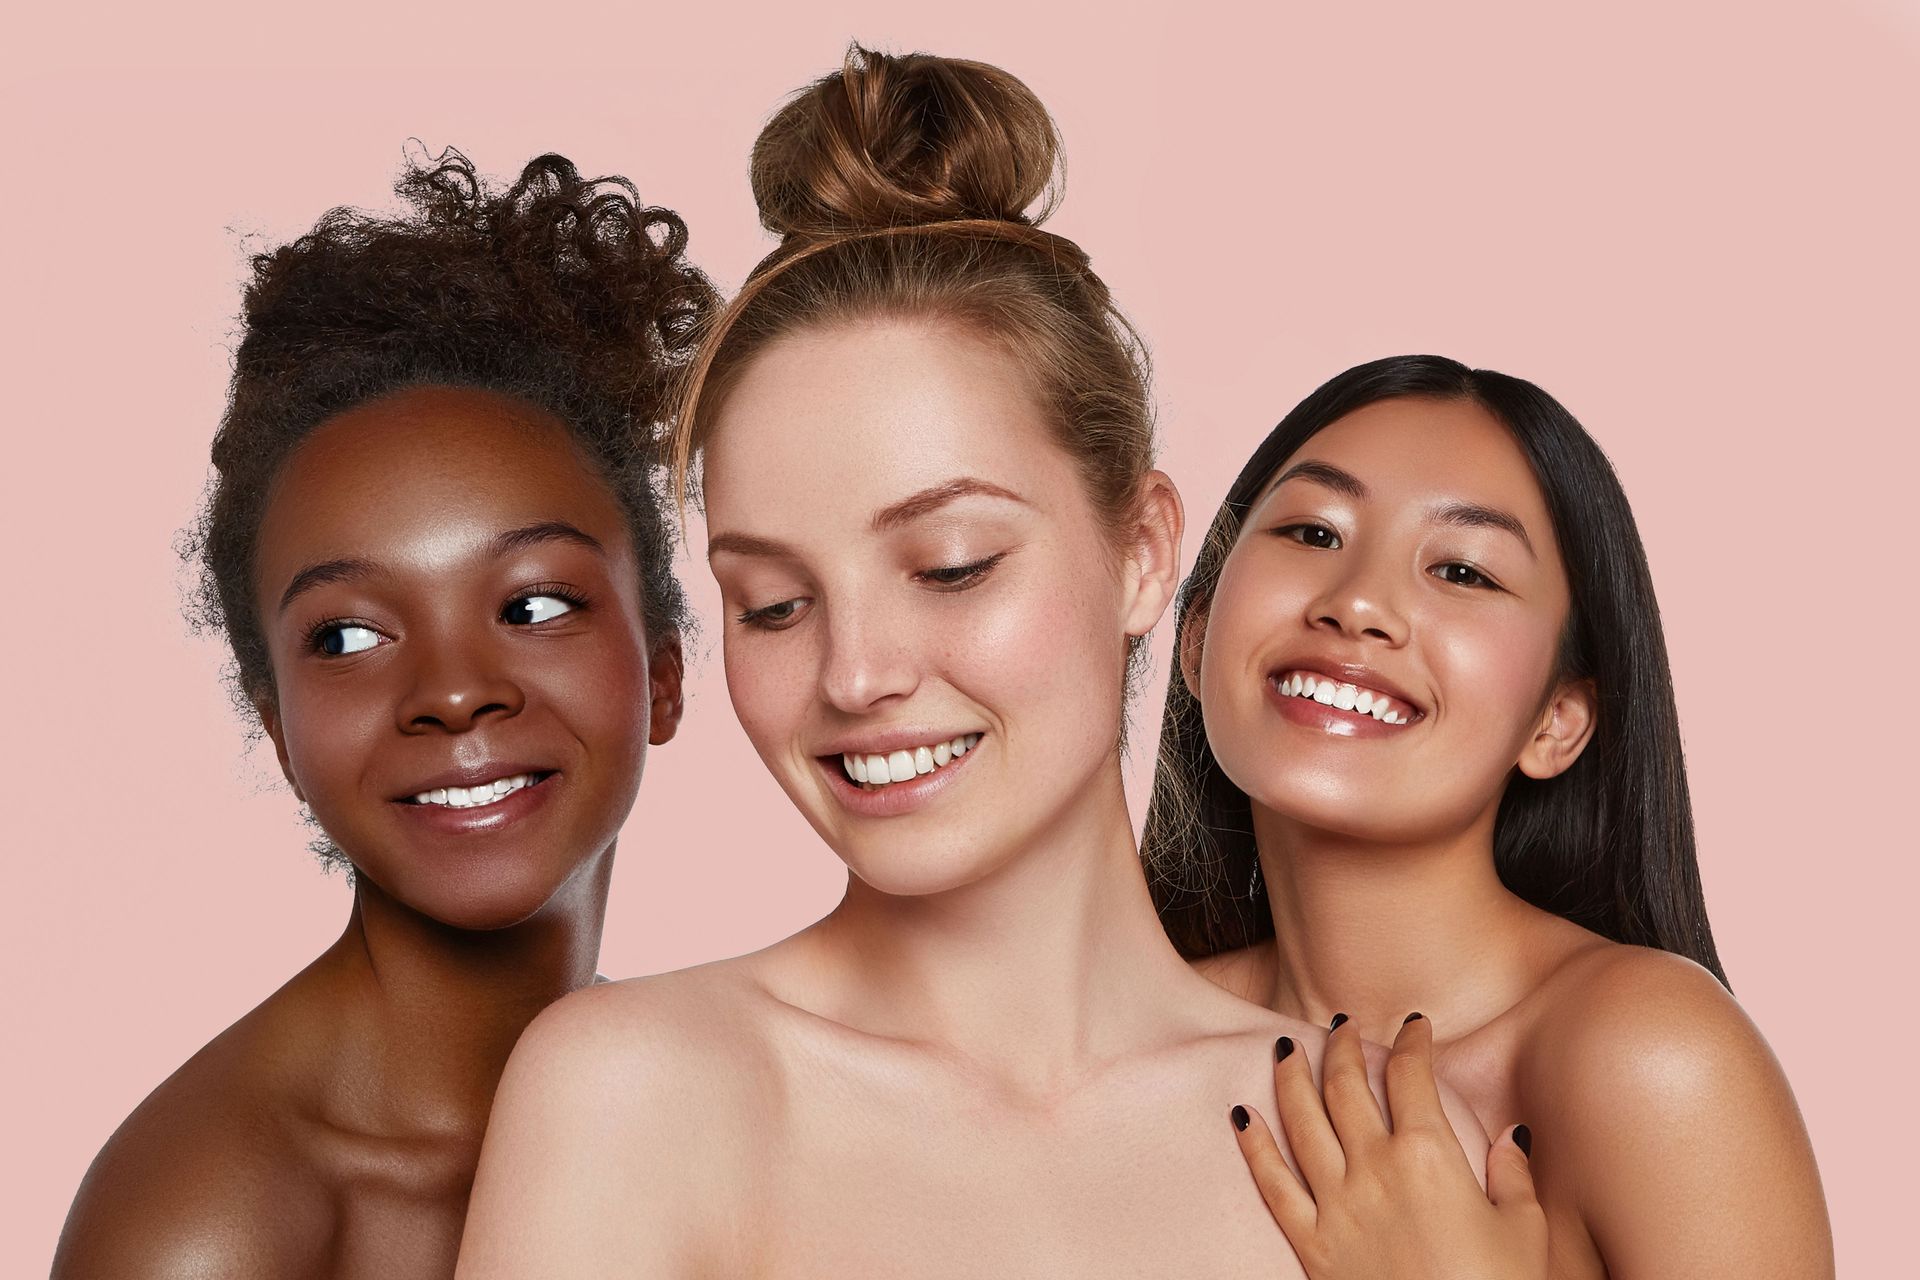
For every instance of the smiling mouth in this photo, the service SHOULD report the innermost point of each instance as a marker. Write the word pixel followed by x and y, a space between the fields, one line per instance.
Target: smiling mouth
pixel 873 771
pixel 1342 696
pixel 480 794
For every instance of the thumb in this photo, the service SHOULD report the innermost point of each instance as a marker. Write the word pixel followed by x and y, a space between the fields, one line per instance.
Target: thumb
pixel 1510 1170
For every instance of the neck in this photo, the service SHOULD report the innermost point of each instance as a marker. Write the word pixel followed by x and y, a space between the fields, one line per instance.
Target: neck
pixel 1380 930
pixel 429 1013
pixel 1037 972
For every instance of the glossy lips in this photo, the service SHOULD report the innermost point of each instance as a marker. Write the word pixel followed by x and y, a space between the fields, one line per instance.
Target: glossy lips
pixel 1344 696
pixel 483 793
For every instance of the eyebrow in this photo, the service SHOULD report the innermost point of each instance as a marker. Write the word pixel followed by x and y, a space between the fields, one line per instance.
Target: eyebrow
pixel 1471 515
pixel 1324 473
pixel 905 511
pixel 349 568
pixel 931 499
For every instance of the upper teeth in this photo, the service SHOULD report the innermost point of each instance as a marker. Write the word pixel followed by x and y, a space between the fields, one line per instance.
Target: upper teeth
pixel 479 794
pixel 898 766
pixel 1343 697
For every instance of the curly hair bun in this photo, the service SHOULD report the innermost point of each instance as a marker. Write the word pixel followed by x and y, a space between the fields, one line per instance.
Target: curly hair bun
pixel 896 141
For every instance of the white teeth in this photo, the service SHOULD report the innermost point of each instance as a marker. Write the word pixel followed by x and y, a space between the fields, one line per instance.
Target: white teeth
pixel 1342 697
pixel 899 766
pixel 472 797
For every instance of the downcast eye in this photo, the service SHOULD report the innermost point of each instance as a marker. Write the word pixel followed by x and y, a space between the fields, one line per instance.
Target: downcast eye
pixel 529 609
pixel 337 641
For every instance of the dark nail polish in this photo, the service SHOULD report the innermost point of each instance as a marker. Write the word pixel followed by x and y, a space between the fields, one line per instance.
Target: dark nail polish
pixel 1412 1017
pixel 1282 1047
pixel 1241 1119
pixel 1338 1019
pixel 1522 1138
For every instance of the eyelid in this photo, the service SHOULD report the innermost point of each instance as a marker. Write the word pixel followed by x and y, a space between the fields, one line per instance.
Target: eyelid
pixel 971 573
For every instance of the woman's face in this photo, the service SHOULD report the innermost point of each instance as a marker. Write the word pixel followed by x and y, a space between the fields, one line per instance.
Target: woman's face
pixel 918 593
pixel 1379 652
pixel 464 687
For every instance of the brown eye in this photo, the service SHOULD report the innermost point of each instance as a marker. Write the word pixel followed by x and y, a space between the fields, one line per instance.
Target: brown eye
pixel 338 639
pixel 1317 536
pixel 531 609
pixel 1462 575
pixel 774 617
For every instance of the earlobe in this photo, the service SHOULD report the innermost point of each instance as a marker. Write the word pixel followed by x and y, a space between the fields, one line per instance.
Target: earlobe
pixel 666 673
pixel 1565 728
pixel 1156 552
pixel 1193 644
pixel 270 721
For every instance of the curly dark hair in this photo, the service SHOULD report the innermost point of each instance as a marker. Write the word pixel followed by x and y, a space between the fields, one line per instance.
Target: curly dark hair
pixel 566 293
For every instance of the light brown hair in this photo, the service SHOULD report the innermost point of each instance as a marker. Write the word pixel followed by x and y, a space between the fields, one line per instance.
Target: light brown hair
pixel 900 186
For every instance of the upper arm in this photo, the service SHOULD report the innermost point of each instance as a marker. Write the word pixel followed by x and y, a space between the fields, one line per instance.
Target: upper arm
pixel 1669 1121
pixel 590 1152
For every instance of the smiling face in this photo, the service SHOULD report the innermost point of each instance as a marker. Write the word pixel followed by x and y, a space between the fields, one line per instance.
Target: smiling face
pixel 926 624
pixel 463 685
pixel 1380 650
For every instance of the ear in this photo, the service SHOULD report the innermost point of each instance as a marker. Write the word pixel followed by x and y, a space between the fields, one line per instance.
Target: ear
pixel 1193 644
pixel 1154 565
pixel 666 670
pixel 270 721
pixel 1563 731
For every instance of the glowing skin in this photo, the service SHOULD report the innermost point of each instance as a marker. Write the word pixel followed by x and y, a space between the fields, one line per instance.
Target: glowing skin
pixel 1407 548
pixel 906 557
pixel 1392 590
pixel 477 620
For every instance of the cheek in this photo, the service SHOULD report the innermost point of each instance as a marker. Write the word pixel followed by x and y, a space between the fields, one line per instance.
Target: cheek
pixel 772 678
pixel 1493 669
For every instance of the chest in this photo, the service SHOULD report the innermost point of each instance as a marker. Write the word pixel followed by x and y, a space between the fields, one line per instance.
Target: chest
pixel 1138 1177
pixel 397 1206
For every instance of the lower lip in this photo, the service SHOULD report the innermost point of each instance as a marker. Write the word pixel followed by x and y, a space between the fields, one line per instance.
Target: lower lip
pixel 895 798
pixel 1331 720
pixel 515 806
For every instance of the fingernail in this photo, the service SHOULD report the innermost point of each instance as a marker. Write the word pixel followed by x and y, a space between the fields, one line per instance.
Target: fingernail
pixel 1412 1017
pixel 1522 1138
pixel 1241 1119
pixel 1282 1047
pixel 1334 1026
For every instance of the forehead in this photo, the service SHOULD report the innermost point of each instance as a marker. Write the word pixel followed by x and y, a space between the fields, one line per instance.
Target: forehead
pixel 852 417
pixel 1441 450
pixel 404 465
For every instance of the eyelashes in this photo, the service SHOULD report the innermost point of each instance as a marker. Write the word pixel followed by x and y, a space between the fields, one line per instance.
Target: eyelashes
pixel 944 579
pixel 529 607
pixel 1459 573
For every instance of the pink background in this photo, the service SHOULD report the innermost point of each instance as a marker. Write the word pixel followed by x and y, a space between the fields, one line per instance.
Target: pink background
pixel 1693 222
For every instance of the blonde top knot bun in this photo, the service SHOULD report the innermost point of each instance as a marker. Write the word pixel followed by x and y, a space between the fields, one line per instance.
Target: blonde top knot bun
pixel 893 141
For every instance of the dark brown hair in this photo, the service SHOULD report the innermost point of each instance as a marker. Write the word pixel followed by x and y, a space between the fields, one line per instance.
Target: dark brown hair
pixel 563 292
pixel 1609 843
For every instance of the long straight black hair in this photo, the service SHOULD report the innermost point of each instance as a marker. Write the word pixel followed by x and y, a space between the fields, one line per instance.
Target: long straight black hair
pixel 1609 843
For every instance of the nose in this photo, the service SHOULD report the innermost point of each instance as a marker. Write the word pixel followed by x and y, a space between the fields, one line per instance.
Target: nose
pixel 456 686
pixel 1361 603
pixel 865 663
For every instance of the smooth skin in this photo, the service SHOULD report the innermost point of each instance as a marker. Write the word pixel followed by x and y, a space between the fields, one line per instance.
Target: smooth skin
pixel 988 1060
pixel 1665 1141
pixel 334 1130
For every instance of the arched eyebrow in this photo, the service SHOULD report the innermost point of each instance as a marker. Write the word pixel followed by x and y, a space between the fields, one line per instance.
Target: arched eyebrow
pixel 504 544
pixel 1472 515
pixel 1325 474
pixel 934 497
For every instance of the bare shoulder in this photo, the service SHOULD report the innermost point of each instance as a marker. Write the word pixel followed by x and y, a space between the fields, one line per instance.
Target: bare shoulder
pixel 620 1130
pixel 1659 1108
pixel 203 1178
pixel 1640 1029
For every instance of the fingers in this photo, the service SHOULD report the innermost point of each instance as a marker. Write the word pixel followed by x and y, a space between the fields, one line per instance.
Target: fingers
pixel 1287 1200
pixel 1303 1118
pixel 1350 1102
pixel 1510 1171
pixel 1412 1094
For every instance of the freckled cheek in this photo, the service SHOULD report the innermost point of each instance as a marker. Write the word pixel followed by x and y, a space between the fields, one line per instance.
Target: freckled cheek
pixel 773 687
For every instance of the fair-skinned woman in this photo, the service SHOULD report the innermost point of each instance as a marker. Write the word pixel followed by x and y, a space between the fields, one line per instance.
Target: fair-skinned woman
pixel 938 536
